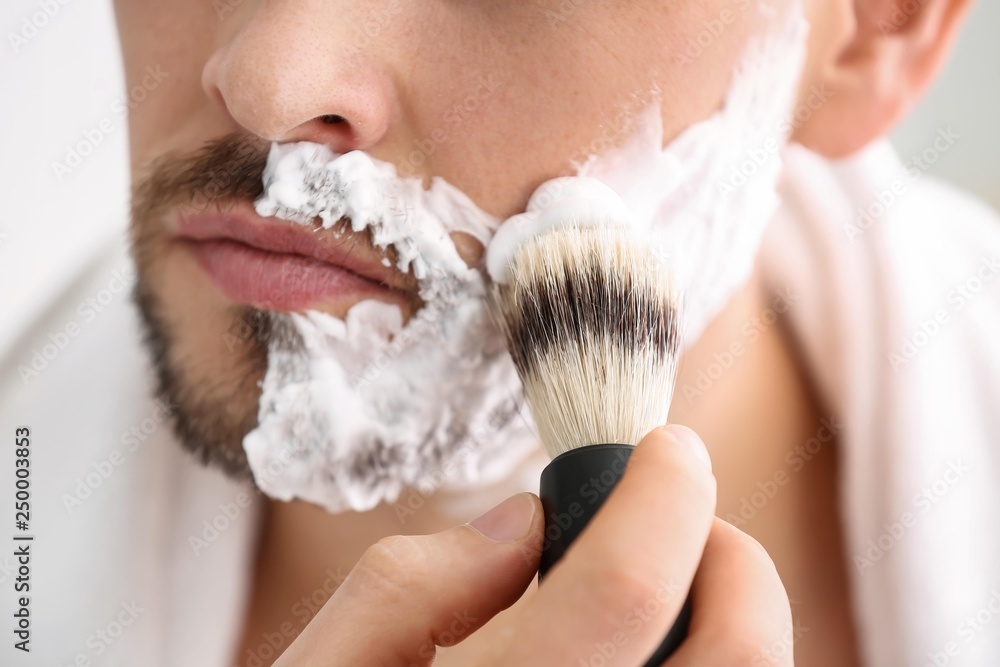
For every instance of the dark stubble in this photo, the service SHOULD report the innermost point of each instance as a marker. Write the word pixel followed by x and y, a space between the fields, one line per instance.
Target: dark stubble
pixel 222 172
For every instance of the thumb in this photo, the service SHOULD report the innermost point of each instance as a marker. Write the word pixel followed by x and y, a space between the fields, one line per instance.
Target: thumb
pixel 408 595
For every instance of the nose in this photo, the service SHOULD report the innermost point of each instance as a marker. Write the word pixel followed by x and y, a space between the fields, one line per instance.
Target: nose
pixel 292 72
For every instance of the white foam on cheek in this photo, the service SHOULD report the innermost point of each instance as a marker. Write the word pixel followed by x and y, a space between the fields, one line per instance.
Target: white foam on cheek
pixel 705 198
pixel 354 411
pixel 584 202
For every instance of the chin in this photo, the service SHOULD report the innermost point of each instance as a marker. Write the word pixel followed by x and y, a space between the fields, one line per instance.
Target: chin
pixel 209 355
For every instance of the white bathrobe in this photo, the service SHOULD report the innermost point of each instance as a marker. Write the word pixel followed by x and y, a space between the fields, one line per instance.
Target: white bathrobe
pixel 142 558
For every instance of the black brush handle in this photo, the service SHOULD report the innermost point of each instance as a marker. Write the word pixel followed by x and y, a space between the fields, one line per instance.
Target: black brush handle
pixel 573 487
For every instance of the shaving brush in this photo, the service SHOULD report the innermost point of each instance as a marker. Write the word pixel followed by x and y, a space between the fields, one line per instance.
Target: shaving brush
pixel 590 317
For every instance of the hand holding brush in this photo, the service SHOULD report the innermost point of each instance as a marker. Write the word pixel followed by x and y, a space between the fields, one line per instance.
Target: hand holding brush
pixel 608 603
pixel 590 315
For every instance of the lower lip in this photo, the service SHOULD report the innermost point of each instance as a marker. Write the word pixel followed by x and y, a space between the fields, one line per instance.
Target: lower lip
pixel 277 281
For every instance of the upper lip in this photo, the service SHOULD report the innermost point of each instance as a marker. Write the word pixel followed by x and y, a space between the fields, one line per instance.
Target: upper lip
pixel 241 223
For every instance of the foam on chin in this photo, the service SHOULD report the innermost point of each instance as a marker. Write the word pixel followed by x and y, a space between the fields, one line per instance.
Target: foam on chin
pixel 354 411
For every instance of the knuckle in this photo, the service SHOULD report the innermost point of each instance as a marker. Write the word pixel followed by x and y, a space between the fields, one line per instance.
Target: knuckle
pixel 696 492
pixel 702 488
pixel 753 652
pixel 386 568
pixel 766 637
pixel 619 588
pixel 752 555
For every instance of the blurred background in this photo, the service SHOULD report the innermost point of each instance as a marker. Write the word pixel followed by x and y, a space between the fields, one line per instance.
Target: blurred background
pixel 63 86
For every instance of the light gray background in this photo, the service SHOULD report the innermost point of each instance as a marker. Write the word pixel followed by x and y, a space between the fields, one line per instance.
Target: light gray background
pixel 967 97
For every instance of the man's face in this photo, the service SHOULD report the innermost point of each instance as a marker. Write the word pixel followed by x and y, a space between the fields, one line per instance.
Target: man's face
pixel 495 97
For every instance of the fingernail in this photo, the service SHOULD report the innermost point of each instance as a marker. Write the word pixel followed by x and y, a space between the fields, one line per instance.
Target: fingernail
pixel 685 437
pixel 509 521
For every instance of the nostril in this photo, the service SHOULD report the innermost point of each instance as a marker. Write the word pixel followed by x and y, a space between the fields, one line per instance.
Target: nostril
pixel 332 129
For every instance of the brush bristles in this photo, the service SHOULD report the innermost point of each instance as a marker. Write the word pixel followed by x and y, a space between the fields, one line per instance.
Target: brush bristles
pixel 590 317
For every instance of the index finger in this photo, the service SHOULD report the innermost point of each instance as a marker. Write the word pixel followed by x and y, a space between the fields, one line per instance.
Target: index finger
pixel 621 584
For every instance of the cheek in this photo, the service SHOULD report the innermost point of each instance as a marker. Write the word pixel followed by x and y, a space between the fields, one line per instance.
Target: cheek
pixel 175 40
pixel 538 92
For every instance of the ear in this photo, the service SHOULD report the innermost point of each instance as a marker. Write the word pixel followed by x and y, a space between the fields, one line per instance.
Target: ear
pixel 868 66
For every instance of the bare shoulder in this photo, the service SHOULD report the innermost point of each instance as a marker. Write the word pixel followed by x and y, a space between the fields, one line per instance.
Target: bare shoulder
pixel 744 386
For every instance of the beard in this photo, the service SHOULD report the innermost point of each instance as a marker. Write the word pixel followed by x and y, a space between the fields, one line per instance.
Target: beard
pixel 251 385
pixel 215 391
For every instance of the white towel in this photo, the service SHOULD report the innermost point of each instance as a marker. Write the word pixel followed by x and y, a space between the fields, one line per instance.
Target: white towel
pixel 921 443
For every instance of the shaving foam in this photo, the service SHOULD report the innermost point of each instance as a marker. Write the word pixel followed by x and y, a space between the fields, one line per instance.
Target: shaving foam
pixel 355 410
pixel 569 200
pixel 704 200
